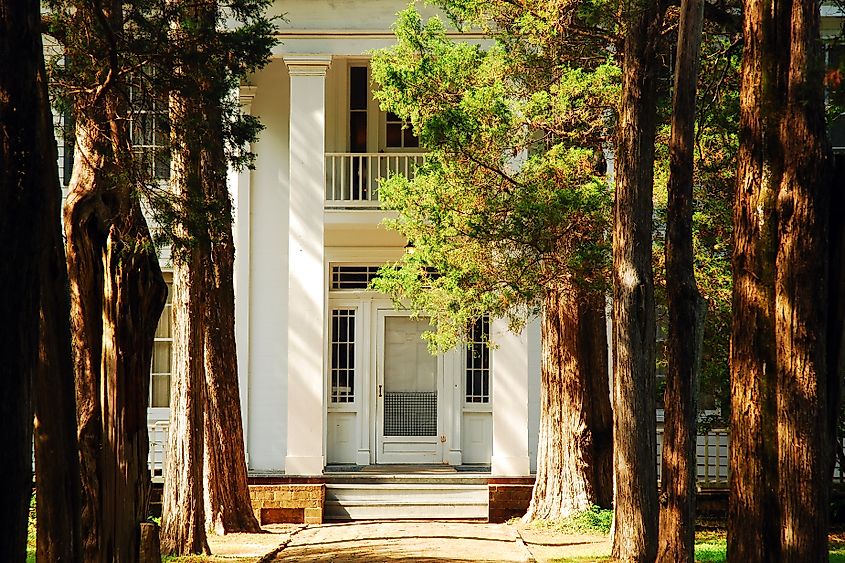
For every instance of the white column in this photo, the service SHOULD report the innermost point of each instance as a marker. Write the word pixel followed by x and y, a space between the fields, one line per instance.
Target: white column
pixel 306 296
pixel 510 401
pixel 240 187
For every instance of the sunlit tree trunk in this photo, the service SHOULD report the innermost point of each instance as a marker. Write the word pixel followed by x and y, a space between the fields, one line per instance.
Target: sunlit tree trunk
pixel 780 424
pixel 685 306
pixel 228 507
pixel 634 386
pixel 801 317
pixel 574 444
pixel 183 515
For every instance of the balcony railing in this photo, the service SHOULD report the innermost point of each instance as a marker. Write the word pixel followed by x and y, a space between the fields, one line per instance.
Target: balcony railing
pixel 352 179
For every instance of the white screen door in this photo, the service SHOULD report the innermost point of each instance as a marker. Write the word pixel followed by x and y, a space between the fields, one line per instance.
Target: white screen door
pixel 407 392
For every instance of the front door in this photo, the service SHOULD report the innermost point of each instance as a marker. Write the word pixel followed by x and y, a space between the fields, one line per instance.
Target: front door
pixel 408 382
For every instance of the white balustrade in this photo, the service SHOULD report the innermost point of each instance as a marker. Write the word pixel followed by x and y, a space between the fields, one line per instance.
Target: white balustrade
pixel 352 179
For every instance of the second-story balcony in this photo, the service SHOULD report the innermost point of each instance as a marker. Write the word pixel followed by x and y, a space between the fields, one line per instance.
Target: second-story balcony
pixel 352 179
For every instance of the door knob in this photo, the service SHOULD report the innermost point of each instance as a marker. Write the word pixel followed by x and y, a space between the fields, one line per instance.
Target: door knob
pixel 379 390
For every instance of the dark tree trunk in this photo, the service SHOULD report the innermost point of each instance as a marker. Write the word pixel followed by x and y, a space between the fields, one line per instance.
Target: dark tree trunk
pixel 686 309
pixel 571 448
pixel 227 503
pixel 780 441
pixel 836 309
pixel 56 452
pixel 801 316
pixel 24 156
pixel 592 351
pixel 634 386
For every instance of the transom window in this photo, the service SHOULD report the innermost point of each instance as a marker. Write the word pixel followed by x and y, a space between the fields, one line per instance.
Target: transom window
pixel 478 362
pixel 353 277
pixel 343 356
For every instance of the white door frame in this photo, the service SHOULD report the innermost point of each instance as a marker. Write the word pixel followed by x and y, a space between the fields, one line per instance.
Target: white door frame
pixel 404 449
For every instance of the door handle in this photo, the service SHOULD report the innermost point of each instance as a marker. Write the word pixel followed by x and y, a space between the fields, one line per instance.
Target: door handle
pixel 379 390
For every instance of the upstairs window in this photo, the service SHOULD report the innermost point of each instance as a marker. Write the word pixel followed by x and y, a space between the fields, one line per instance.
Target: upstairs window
pixel 399 133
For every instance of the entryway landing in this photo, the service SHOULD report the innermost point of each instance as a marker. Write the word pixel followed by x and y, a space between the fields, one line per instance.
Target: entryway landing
pixel 406 469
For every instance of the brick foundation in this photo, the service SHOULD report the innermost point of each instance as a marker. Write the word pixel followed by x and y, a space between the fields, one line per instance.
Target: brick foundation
pixel 508 499
pixel 288 503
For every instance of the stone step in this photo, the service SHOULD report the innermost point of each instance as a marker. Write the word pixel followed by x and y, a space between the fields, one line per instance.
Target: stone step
pixel 377 501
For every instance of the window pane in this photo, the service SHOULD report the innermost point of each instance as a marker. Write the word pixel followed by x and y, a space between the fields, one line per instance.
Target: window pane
pixel 358 87
pixel 161 357
pixel 409 139
pixel 163 328
pixel 394 135
pixel 160 390
pixel 358 131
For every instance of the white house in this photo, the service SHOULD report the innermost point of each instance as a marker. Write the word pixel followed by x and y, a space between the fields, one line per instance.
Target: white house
pixel 331 375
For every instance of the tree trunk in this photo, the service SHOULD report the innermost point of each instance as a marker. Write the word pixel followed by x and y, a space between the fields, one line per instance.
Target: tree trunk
pixel 56 452
pixel 117 295
pixel 753 515
pixel 801 315
pixel 569 446
pixel 634 386
pixel 24 157
pixel 836 300
pixel 780 440
pixel 183 515
pixel 686 310
pixel 593 360
pixel 227 503
pixel 183 521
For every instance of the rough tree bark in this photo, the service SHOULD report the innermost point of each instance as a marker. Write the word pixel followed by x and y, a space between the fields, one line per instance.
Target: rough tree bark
pixel 23 157
pixel 676 542
pixel 634 386
pixel 574 444
pixel 753 516
pixel 183 515
pixel 56 453
pixel 117 295
pixel 183 521
pixel 801 318
pixel 227 503
pixel 779 375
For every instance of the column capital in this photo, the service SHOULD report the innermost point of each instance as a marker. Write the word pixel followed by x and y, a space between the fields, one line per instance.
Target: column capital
pixel 308 65
pixel 246 94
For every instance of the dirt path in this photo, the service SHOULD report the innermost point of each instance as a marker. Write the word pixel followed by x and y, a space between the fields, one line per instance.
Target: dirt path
pixel 368 542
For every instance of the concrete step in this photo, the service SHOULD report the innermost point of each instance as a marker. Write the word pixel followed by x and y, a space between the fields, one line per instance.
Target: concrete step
pixel 403 500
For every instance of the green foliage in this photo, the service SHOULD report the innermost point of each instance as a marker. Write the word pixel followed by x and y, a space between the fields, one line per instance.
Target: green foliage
pixel 716 146
pixel 512 199
pixel 116 65
pixel 597 520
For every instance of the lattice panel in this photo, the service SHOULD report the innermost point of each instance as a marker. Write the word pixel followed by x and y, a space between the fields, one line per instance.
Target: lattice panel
pixel 410 413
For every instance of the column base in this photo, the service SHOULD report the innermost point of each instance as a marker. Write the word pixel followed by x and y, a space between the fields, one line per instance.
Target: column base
pixel 506 466
pixel 304 465
pixel 363 457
